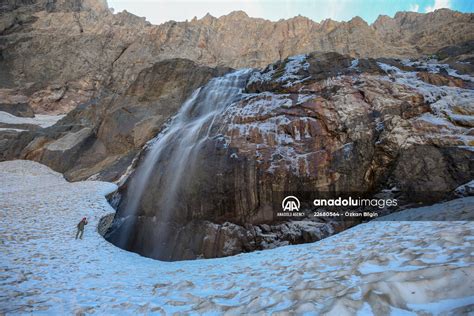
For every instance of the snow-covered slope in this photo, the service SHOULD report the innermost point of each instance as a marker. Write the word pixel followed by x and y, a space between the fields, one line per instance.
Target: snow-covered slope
pixel 375 268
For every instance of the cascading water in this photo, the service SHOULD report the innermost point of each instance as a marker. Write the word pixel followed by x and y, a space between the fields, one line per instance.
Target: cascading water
pixel 175 151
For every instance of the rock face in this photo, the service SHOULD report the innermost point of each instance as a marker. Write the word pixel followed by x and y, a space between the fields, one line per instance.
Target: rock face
pixel 62 53
pixel 319 122
pixel 102 137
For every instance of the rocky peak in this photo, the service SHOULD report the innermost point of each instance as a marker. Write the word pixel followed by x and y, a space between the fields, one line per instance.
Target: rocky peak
pixel 384 22
pixel 208 19
pixel 98 6
pixel 357 21
pixel 236 15
pixel 405 16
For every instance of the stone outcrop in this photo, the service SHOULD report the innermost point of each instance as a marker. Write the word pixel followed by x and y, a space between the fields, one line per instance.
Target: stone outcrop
pixel 63 152
pixel 102 137
pixel 440 80
pixel 15 104
pixel 321 122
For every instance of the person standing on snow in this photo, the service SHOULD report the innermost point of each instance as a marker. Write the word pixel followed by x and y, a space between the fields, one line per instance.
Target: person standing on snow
pixel 80 227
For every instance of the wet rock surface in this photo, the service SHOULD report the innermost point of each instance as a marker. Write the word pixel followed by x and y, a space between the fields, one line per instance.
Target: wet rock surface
pixel 361 126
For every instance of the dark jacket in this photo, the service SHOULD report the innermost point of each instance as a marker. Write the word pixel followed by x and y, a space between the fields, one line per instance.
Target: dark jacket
pixel 81 224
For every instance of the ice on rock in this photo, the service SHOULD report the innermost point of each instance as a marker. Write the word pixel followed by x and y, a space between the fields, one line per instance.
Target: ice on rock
pixel 435 120
pixel 290 75
pixel 262 76
pixel 354 64
pixel 260 114
pixel 443 100
pixel 466 189
pixel 294 64
pixel 433 66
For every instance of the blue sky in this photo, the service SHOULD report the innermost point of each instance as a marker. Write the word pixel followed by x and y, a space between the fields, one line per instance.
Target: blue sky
pixel 159 11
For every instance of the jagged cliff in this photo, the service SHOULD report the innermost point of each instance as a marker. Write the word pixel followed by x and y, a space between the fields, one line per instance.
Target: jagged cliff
pixel 61 53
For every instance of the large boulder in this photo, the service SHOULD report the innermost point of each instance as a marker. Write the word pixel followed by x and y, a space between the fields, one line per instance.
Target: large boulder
pixel 63 152
pixel 359 126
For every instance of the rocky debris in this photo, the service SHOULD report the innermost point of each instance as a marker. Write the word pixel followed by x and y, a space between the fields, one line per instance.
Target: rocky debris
pixel 361 126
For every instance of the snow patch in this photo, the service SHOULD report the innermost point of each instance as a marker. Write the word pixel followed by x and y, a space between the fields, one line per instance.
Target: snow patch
pixel 39 119
pixel 12 129
pixel 290 76
pixel 354 64
pixel 433 66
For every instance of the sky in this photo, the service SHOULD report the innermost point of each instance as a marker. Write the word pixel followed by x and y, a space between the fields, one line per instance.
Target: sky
pixel 159 11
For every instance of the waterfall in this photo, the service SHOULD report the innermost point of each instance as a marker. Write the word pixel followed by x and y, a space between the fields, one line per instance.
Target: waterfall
pixel 176 148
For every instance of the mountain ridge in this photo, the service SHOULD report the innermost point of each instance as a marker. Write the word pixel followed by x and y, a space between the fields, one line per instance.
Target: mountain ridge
pixel 84 46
